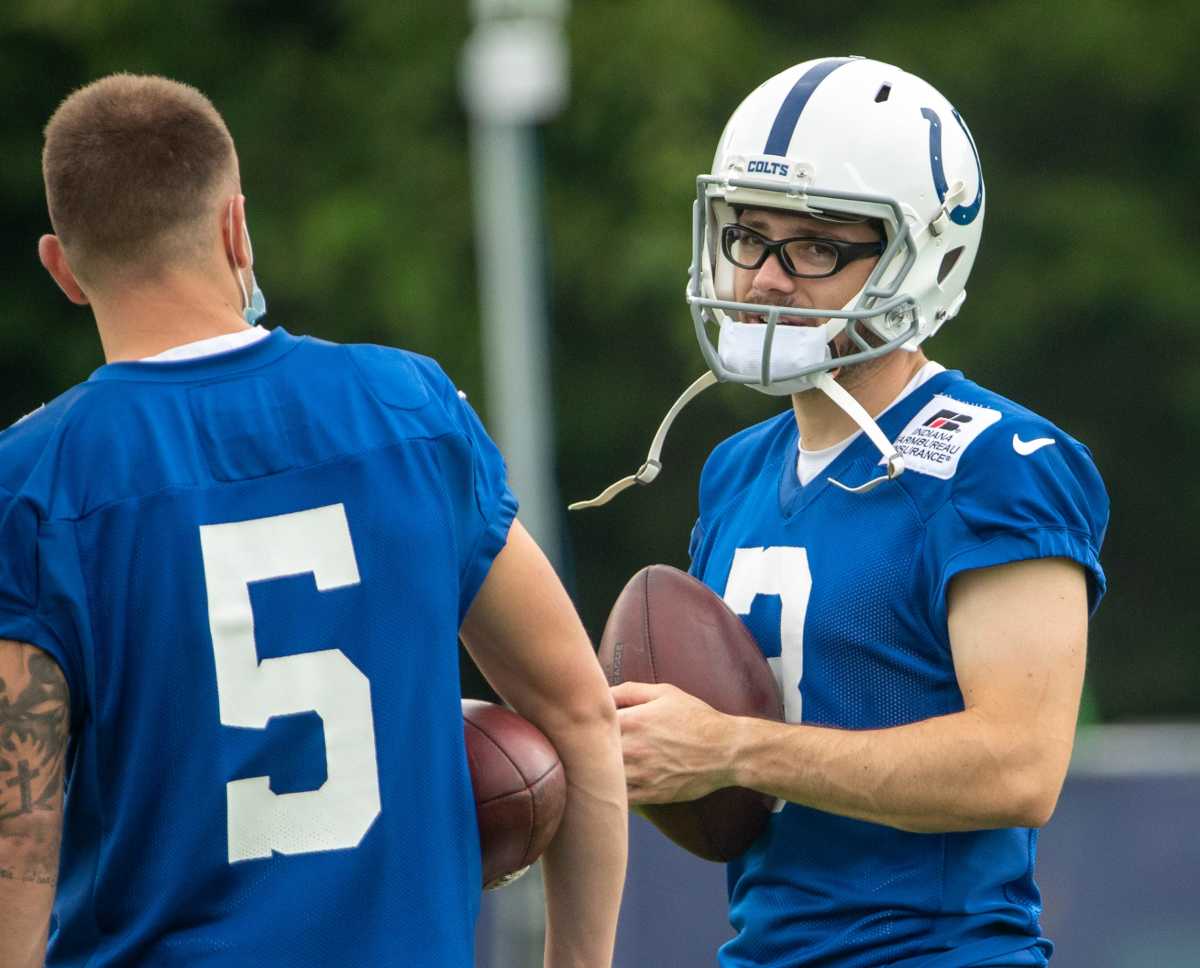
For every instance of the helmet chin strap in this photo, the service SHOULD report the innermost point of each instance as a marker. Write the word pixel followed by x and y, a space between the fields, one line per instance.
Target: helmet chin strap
pixel 649 470
pixel 855 411
pixel 824 382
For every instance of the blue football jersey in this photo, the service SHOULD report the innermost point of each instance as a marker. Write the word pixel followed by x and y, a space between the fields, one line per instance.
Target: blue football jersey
pixel 846 596
pixel 252 568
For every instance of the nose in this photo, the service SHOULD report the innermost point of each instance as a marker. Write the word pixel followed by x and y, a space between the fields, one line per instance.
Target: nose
pixel 770 277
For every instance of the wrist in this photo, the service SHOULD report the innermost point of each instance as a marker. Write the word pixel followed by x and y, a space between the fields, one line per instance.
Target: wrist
pixel 738 747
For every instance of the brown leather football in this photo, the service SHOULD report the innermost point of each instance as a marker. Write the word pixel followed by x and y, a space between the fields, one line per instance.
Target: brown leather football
pixel 520 789
pixel 668 627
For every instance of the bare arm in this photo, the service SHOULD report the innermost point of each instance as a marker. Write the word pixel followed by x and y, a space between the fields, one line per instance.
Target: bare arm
pixel 1018 634
pixel 523 633
pixel 34 727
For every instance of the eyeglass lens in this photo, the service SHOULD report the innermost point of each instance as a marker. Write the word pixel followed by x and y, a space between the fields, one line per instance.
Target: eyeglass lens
pixel 748 249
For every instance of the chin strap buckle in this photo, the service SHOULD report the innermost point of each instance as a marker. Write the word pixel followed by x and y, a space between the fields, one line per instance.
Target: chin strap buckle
pixel 940 222
pixel 645 475
pixel 649 470
pixel 895 467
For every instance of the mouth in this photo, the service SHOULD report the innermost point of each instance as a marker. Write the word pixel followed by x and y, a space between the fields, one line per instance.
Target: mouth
pixel 783 320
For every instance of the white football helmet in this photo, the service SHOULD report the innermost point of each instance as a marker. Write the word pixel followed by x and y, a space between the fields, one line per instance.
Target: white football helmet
pixel 842 138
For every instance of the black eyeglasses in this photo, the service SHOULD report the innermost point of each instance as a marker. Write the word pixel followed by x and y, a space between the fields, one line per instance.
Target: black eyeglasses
pixel 802 256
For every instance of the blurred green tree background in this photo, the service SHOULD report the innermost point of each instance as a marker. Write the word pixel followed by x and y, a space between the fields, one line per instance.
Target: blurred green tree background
pixel 353 149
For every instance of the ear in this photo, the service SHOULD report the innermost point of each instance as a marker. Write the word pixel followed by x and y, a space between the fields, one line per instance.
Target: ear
pixel 234 234
pixel 50 251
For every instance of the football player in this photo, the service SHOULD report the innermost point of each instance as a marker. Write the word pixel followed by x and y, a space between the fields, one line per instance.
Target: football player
pixel 916 555
pixel 234 565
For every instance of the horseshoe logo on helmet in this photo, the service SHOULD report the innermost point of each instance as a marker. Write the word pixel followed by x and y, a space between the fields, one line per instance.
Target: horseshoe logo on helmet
pixel 960 214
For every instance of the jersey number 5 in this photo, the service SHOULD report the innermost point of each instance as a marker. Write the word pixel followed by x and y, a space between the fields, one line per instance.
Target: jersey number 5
pixel 250 692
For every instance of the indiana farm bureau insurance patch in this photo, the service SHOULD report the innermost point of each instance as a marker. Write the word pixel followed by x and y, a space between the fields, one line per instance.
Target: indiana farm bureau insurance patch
pixel 936 437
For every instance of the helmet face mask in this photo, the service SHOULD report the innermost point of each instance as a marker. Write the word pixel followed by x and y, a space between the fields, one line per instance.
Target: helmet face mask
pixel 846 140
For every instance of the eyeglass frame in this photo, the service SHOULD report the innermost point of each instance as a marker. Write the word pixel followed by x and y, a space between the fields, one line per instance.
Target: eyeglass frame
pixel 847 252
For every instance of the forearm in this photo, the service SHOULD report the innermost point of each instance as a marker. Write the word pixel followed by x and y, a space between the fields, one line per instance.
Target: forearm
pixel 584 867
pixel 28 871
pixel 527 640
pixel 953 772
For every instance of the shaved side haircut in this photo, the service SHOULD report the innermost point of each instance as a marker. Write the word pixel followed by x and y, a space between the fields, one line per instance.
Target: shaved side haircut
pixel 134 166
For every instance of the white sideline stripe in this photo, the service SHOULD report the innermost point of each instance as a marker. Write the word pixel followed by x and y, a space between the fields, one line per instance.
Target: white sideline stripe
pixel 1137 749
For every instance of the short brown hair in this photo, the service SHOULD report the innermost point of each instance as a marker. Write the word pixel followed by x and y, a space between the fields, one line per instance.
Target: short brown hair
pixel 132 164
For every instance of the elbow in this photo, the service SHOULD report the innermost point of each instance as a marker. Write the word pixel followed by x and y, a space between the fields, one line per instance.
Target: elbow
pixel 1037 809
pixel 592 712
pixel 596 714
pixel 1031 798
pixel 1029 779
pixel 1015 801
pixel 586 715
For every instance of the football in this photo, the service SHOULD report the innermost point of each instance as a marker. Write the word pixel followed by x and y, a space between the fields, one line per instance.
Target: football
pixel 520 789
pixel 668 627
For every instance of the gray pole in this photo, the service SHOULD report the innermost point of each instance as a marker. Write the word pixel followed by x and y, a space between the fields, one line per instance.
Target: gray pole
pixel 514 75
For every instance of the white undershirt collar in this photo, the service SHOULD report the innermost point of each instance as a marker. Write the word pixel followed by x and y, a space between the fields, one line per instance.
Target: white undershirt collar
pixel 209 347
pixel 810 463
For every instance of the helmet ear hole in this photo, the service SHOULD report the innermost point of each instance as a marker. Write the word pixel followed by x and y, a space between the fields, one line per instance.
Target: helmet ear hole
pixel 949 260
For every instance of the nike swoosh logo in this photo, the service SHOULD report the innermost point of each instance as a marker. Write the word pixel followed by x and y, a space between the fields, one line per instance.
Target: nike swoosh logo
pixel 1027 447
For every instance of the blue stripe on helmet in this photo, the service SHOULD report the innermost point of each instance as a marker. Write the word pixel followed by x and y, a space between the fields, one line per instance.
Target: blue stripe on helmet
pixel 789 113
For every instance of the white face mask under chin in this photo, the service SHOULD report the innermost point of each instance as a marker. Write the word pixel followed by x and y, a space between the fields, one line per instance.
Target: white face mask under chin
pixel 740 347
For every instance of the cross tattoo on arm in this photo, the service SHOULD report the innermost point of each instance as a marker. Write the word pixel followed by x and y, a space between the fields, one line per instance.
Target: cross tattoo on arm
pixel 24 780
pixel 34 729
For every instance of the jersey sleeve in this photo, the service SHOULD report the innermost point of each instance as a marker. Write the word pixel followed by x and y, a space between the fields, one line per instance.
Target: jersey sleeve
pixel 482 504
pixel 1007 506
pixel 30 596
pixel 473 479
